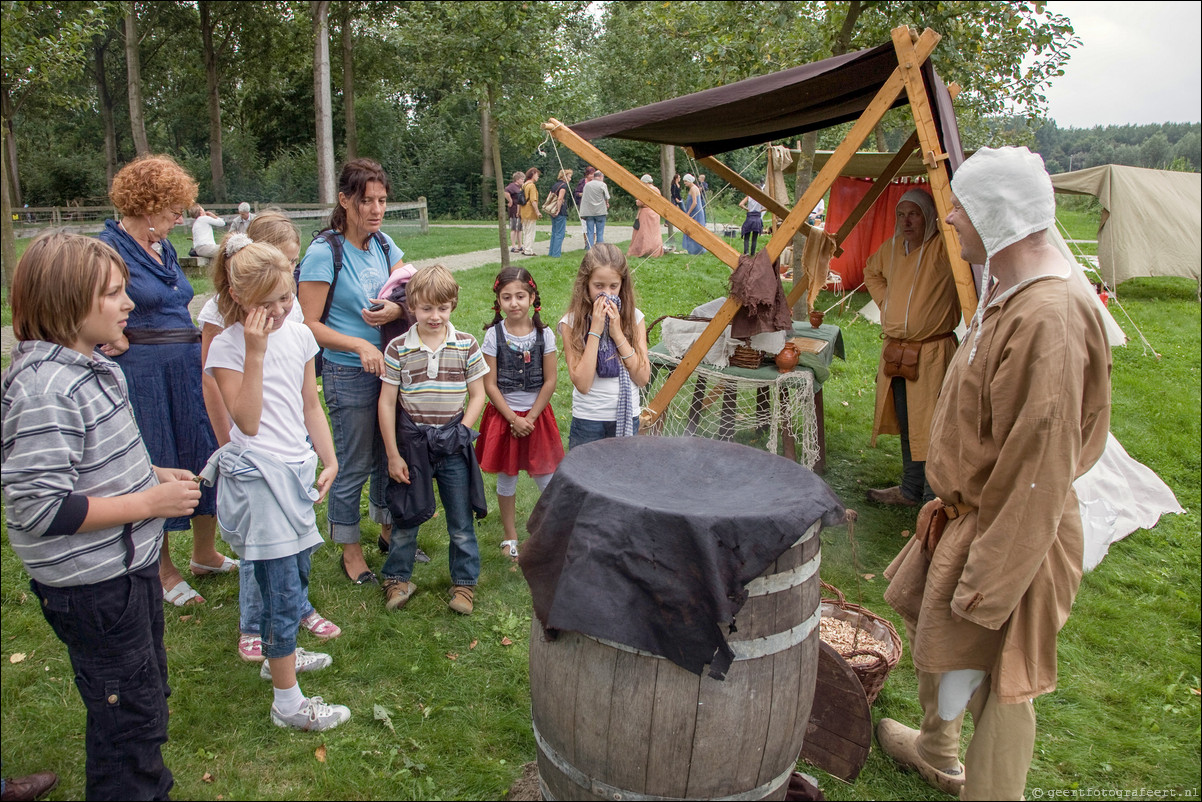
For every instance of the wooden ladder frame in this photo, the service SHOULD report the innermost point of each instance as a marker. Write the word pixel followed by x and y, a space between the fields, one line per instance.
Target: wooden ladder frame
pixel 912 50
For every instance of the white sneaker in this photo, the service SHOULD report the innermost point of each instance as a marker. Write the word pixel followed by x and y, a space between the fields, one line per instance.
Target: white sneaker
pixel 305 661
pixel 314 715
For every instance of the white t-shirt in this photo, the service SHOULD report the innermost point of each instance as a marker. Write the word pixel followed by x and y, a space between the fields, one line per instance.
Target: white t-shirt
pixel 518 400
pixel 209 313
pixel 601 401
pixel 282 430
pixel 202 230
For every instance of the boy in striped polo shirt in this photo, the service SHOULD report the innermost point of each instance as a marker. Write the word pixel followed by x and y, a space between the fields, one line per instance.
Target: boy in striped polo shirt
pixel 85 506
pixel 429 372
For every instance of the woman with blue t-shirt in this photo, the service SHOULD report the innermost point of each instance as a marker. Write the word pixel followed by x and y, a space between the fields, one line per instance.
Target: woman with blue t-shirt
pixel 353 360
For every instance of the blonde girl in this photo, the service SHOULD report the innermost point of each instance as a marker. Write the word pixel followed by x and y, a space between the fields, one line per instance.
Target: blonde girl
pixel 605 344
pixel 518 432
pixel 263 365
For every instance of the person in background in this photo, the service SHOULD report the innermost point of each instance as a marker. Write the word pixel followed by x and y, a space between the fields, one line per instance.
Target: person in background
pixel 911 280
pixel 594 208
pixel 85 505
pixel 989 577
pixel 695 209
pixel 239 223
pixel 753 224
pixel 159 351
pixel 530 212
pixel 676 201
pixel 646 240
pixel 559 221
pixel 704 186
pixel 513 207
pixel 203 242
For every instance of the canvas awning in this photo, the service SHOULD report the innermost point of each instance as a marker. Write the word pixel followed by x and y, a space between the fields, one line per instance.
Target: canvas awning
pixel 1152 225
pixel 777 106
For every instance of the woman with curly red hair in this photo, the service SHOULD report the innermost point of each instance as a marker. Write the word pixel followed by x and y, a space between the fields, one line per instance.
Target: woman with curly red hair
pixel 160 351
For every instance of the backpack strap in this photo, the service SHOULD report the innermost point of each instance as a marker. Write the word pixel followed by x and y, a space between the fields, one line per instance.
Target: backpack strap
pixel 332 238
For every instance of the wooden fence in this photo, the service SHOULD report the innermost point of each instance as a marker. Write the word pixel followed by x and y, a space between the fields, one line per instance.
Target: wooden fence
pixel 33 220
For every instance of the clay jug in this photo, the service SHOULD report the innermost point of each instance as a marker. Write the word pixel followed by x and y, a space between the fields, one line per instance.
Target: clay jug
pixel 786 358
pixel 816 318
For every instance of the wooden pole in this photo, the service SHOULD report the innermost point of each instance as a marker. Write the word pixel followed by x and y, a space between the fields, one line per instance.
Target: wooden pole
pixel 935 159
pixel 885 97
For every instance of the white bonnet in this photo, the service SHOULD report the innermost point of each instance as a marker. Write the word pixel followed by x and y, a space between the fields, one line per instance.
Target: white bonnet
pixel 1007 195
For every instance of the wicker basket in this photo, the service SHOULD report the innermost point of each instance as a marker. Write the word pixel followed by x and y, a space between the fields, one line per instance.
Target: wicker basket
pixel 746 357
pixel 872 674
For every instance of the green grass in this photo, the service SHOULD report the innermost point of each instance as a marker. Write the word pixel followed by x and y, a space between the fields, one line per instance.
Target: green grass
pixel 1126 714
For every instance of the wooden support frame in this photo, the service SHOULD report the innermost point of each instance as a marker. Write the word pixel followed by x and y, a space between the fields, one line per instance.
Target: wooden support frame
pixel 906 78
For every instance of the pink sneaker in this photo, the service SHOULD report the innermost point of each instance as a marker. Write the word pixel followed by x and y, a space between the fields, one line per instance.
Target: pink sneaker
pixel 250 648
pixel 323 628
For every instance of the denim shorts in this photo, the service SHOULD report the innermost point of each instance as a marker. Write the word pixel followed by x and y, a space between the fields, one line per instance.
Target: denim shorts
pixel 250 598
pixel 284 584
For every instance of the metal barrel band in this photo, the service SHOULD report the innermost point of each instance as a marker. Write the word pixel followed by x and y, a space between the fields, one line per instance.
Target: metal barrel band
pixel 774 583
pixel 607 791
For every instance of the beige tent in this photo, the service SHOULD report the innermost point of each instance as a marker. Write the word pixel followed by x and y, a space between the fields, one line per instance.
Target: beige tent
pixel 1151 223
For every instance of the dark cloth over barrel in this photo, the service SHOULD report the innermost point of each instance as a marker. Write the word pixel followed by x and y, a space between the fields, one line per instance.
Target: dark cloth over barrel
pixel 650 541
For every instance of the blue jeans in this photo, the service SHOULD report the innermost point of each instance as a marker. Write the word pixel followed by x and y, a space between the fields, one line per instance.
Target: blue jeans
pixel 250 598
pixel 589 431
pixel 559 229
pixel 113 631
pixel 283 584
pixel 594 230
pixel 463 552
pixel 351 394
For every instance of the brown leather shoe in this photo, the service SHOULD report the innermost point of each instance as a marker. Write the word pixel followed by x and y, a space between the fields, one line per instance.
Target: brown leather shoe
pixel 461 599
pixel 901 743
pixel 891 495
pixel 30 787
pixel 397 593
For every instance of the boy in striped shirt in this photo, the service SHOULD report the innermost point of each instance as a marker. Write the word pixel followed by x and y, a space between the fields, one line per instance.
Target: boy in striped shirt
pixel 85 506
pixel 429 372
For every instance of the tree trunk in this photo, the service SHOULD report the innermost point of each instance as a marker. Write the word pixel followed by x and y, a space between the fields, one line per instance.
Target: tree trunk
pixel 11 175
pixel 348 83
pixel 801 182
pixel 879 133
pixel 667 169
pixel 133 67
pixel 502 215
pixel 486 167
pixel 216 167
pixel 8 249
pixel 99 46
pixel 322 102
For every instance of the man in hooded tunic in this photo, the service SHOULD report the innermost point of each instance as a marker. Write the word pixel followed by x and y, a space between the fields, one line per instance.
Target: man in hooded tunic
pixel 911 280
pixel 1024 411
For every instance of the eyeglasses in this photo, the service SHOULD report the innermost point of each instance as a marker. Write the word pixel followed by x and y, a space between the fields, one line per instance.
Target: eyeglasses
pixel 175 213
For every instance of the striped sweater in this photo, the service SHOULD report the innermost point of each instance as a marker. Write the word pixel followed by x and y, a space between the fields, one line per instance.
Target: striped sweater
pixel 69 433
pixel 433 384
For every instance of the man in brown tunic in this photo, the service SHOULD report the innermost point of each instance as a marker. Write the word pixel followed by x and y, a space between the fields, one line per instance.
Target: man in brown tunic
pixel 1024 411
pixel 911 281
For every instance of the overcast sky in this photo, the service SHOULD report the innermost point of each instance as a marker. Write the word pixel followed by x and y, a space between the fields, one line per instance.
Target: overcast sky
pixel 1137 63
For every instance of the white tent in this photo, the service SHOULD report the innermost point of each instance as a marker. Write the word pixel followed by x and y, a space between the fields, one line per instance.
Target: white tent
pixel 1151 223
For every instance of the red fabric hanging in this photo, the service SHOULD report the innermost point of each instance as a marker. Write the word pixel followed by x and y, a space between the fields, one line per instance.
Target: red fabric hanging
pixel 873 229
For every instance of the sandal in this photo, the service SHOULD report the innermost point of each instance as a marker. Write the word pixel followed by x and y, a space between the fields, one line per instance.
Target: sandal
pixel 510 548
pixel 323 628
pixel 227 566
pixel 182 594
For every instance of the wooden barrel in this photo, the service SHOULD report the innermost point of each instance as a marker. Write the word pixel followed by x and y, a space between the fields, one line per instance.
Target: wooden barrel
pixel 612 722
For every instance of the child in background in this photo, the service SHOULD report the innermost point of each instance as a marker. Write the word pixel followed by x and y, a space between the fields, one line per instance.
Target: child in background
pixel 263 366
pixel 518 432
pixel 428 373
pixel 605 343
pixel 85 506
pixel 274 228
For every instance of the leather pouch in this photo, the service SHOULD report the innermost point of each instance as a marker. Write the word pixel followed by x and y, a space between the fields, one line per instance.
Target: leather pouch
pixel 900 358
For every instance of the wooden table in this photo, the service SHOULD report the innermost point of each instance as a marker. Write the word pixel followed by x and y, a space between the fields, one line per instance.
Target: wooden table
pixel 772 392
